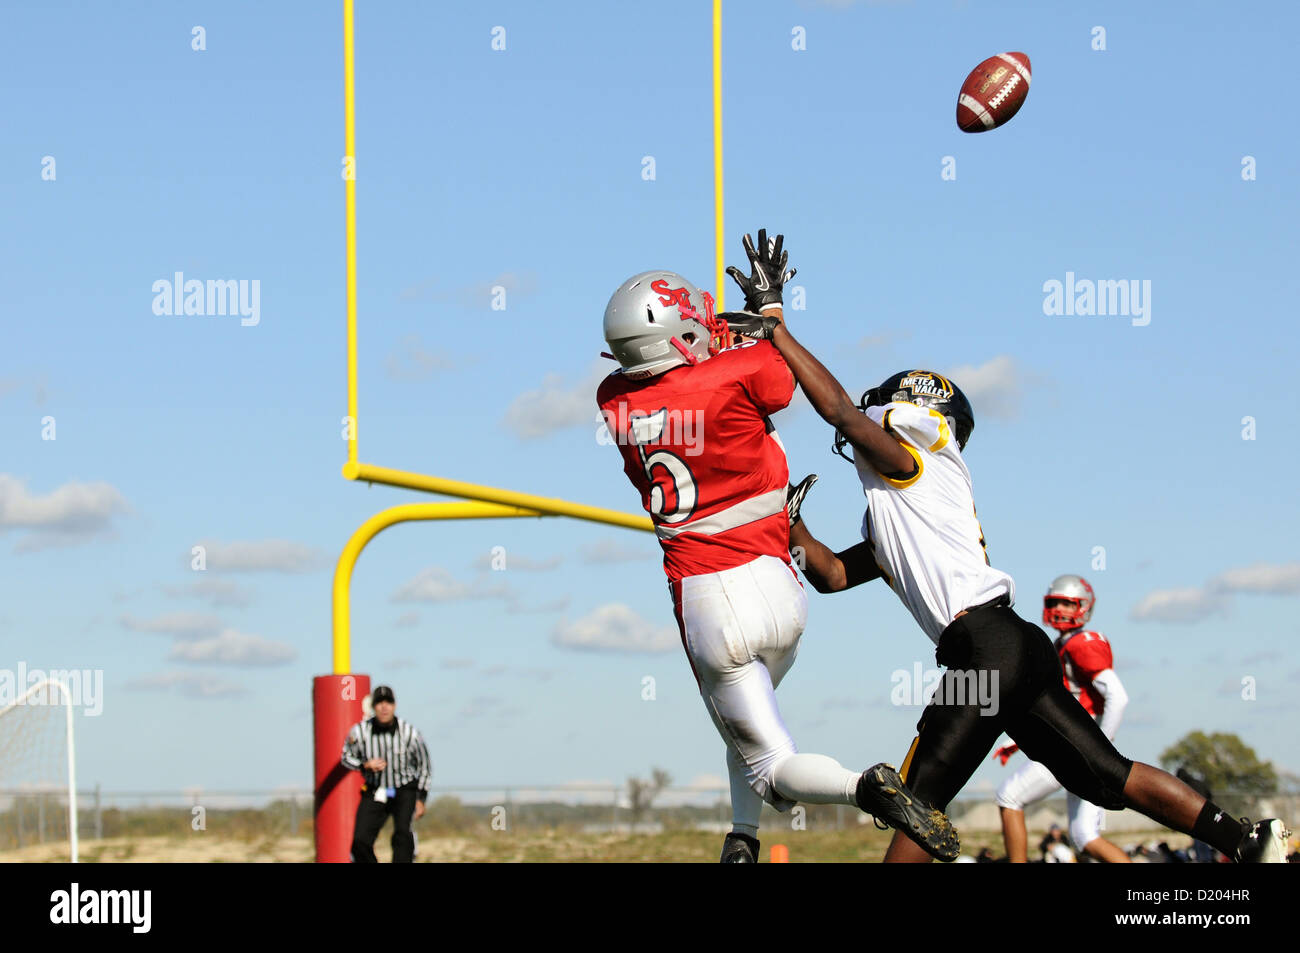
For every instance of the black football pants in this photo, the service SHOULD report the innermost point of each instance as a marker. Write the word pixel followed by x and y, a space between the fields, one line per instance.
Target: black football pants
pixel 1033 706
pixel 371 815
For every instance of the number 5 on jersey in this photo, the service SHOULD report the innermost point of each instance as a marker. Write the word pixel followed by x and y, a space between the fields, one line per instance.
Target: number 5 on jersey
pixel 672 485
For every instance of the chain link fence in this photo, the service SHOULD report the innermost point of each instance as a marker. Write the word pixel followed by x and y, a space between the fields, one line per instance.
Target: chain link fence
pixel 29 817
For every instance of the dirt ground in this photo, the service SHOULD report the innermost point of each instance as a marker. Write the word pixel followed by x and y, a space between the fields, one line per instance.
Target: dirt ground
pixel 863 845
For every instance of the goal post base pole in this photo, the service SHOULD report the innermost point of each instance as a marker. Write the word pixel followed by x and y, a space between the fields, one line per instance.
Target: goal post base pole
pixel 336 707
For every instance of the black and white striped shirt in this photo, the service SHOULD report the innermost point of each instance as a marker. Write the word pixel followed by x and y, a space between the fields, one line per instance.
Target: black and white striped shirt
pixel 401 747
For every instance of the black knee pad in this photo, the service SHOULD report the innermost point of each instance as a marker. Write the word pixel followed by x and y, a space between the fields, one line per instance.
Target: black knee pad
pixel 1103 785
pixel 1112 786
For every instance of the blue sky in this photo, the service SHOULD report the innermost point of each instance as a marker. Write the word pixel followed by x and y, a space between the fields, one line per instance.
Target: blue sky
pixel 522 168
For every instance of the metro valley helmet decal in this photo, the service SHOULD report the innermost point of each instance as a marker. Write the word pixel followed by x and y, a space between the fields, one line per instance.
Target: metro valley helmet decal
pixel 923 384
pixel 924 389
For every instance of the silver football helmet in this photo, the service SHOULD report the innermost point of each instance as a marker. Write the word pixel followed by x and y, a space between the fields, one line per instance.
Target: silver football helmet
pixel 658 320
pixel 1068 603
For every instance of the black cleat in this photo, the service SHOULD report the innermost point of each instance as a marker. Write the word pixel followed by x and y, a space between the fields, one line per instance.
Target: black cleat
pixel 1263 842
pixel 739 849
pixel 882 794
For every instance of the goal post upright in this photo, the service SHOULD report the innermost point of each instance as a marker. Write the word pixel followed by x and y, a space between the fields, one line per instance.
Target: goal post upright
pixel 72 773
pixel 337 698
pixel 23 699
pixel 719 252
pixel 350 201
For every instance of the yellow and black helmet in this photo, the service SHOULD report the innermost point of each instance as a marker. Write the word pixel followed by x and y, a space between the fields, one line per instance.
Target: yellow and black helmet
pixel 925 389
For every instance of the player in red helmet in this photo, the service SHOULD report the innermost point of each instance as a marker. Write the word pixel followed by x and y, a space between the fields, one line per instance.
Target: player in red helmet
pixel 690 416
pixel 1088 670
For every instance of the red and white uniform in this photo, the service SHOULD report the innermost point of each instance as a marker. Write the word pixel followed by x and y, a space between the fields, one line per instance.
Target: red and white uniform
pixel 1087 666
pixel 1084 656
pixel 698 446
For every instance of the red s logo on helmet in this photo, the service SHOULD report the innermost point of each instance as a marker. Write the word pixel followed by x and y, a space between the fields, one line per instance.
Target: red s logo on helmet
pixel 671 296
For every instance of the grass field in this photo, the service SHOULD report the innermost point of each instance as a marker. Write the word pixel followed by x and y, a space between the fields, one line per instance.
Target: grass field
pixel 862 845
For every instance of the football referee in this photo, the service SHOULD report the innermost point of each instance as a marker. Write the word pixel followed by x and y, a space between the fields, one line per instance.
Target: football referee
pixel 394 763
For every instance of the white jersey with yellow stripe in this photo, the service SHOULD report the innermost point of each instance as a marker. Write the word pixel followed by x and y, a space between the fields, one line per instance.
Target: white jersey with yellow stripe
pixel 923 529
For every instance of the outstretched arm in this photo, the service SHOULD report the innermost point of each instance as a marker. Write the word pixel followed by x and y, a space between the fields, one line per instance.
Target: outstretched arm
pixel 834 406
pixel 828 397
pixel 829 571
pixel 762 318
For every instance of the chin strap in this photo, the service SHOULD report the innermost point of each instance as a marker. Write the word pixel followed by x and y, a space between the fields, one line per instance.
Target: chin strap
pixel 685 351
pixel 714 326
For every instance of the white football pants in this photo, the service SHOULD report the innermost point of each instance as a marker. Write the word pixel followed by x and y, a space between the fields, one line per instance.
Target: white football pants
pixel 741 630
pixel 1033 782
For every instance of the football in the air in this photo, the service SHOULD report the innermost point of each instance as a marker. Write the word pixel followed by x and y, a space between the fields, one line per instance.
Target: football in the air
pixel 993 92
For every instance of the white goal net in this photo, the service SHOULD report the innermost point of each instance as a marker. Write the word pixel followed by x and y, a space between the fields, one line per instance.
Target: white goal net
pixel 38 780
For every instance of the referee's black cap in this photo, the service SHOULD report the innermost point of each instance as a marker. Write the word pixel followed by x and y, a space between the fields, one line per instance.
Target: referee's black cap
pixel 382 694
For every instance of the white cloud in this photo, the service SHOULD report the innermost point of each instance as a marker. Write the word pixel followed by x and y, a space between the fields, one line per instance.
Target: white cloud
pixel 409 361
pixel 180 625
pixel 606 551
pixel 1193 605
pixel 188 684
pixel 407 620
pixel 233 648
pixel 993 388
pixel 615 628
pixel 1177 605
pixel 555 405
pixel 517 284
pixel 476 295
pixel 216 592
pixel 37 386
pixel 70 514
pixel 437 584
pixel 884 340
pixel 1260 578
pixel 507 561
pixel 264 555
pixel 558 604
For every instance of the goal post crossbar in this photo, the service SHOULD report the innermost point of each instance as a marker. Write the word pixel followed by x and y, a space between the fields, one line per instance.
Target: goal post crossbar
pixel 477 509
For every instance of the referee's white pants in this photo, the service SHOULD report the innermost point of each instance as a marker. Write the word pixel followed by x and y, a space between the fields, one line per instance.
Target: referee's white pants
pixel 1033 782
pixel 741 630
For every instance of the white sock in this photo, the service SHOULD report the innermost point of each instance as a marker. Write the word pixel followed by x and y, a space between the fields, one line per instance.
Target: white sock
pixel 815 779
pixel 746 806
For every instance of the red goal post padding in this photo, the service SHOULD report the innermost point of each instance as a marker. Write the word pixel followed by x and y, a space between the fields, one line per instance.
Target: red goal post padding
pixel 336 707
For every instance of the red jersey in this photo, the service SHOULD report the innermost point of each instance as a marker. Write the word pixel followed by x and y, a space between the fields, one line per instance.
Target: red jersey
pixel 1084 656
pixel 698 446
